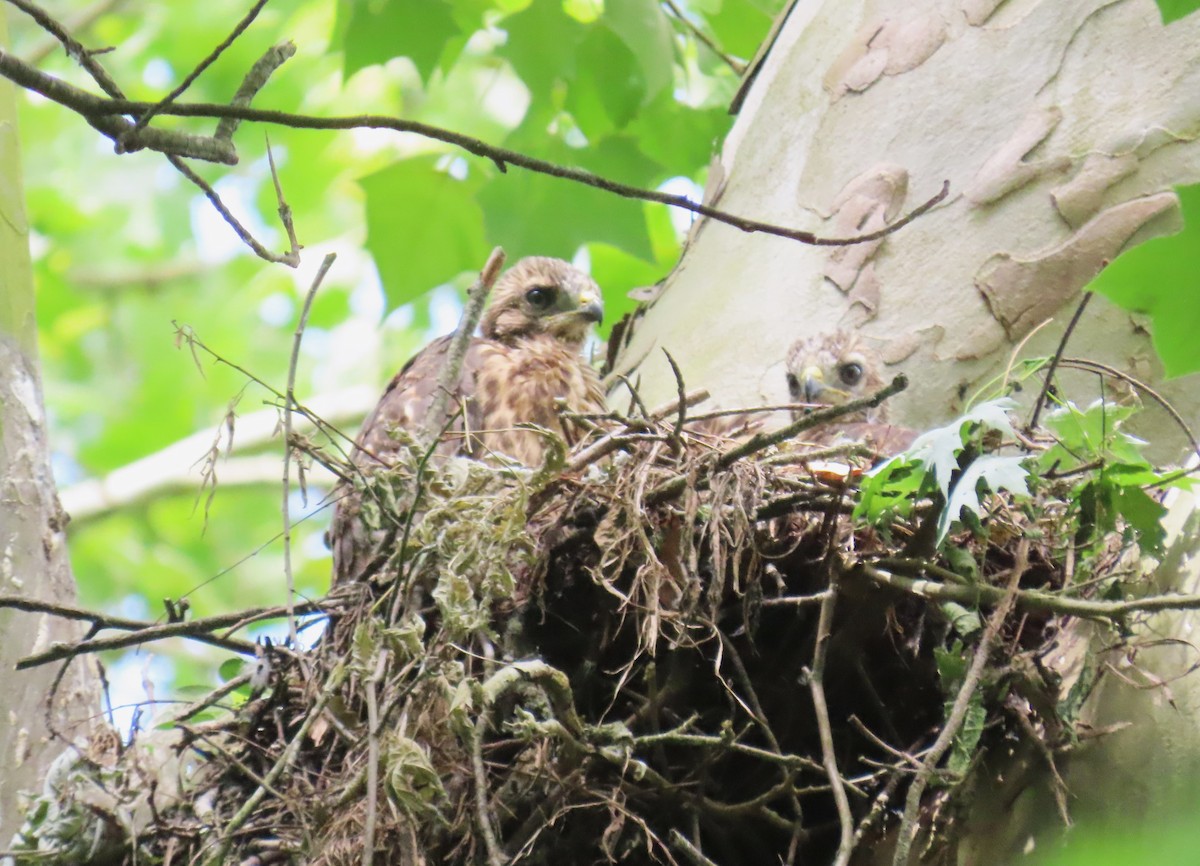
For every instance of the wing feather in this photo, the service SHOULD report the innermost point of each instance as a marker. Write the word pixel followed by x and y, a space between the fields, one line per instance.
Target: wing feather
pixel 404 404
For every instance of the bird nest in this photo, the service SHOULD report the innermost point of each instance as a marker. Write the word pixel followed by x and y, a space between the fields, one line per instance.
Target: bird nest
pixel 660 647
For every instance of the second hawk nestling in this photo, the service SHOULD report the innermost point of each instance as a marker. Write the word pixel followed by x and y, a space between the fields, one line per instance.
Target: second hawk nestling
pixel 831 369
pixel 525 362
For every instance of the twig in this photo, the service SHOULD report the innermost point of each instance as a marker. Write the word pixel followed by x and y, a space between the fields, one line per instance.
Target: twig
pixel 148 115
pixel 494 854
pixel 285 760
pixel 82 20
pixel 254 81
pixel 613 440
pixel 907 831
pixel 755 707
pixel 708 741
pixel 292 257
pixel 797 600
pixel 108 112
pixel 976 594
pixel 736 65
pixel 371 685
pixel 816 685
pixel 760 441
pixel 681 392
pixel 456 352
pixel 1058 353
pixel 140 631
pixel 1097 367
pixel 226 214
pixel 218 148
pixel 61 651
pixel 694 854
pixel 73 47
pixel 288 403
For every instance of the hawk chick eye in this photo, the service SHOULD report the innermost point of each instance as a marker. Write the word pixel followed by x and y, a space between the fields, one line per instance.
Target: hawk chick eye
pixel 540 297
pixel 850 373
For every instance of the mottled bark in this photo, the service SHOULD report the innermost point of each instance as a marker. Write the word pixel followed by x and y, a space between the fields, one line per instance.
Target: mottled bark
pixel 33 554
pixel 1062 126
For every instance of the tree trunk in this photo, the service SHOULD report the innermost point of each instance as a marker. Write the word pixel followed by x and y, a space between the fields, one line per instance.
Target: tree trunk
pixel 33 553
pixel 1061 127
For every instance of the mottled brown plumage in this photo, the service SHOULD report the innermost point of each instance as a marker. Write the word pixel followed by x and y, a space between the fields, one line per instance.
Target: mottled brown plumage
pixel 831 369
pixel 526 360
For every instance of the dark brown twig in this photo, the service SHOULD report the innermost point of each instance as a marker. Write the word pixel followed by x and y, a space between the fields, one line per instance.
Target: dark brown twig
pixel 139 631
pixel 146 116
pixel 760 441
pixel 107 111
pixel 288 406
pixel 1058 353
pixel 907 832
pixel 456 352
pixel 816 685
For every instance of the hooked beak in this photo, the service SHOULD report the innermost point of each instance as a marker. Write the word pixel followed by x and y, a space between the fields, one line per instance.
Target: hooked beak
pixel 813 381
pixel 591 307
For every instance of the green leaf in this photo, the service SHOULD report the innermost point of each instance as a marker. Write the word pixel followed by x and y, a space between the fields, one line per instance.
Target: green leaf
pixel 423 227
pixel 530 213
pixel 1144 515
pixel 966 741
pixel 231 669
pixel 1161 278
pixel 952 663
pixel 378 30
pixel 643 27
pixel 995 473
pixel 608 98
pixel 939 448
pixel 740 26
pixel 618 272
pixel 964 621
pixel 1173 10
pixel 541 47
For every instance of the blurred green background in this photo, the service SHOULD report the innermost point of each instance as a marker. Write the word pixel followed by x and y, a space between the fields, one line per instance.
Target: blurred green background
pixel 124 246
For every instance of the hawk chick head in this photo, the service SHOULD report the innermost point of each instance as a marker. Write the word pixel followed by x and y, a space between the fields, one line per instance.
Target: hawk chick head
pixel 540 295
pixel 832 369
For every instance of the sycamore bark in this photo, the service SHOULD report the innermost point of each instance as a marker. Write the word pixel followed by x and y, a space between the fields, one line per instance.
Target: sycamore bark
pixel 1061 126
pixel 33 554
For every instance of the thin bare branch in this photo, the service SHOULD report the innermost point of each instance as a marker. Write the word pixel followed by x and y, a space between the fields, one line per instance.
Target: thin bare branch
pixel 99 110
pixel 456 353
pixel 1058 353
pixel 906 834
pixel 288 407
pixel 145 117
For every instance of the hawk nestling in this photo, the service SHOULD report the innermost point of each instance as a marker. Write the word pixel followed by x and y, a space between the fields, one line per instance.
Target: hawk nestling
pixel 526 360
pixel 831 369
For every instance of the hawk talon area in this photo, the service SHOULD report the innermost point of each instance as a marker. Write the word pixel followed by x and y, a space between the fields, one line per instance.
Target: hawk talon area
pixel 525 369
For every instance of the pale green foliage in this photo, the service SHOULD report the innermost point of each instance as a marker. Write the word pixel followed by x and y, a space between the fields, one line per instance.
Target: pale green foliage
pixel 455 526
pixel 933 464
pixel 1161 278
pixel 410 779
pixel 1116 492
pixel 952 664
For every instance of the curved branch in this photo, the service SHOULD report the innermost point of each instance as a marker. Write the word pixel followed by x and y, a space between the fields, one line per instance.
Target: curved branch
pixel 99 110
